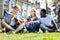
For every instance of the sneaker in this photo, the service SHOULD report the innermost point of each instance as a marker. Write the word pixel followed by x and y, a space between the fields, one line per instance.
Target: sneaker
pixel 4 30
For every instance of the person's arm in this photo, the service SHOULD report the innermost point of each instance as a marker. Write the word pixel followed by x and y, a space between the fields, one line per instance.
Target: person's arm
pixel 8 20
pixel 28 20
pixel 54 24
pixel 35 20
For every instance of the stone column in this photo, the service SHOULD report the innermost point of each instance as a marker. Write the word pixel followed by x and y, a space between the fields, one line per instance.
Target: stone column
pixel 10 5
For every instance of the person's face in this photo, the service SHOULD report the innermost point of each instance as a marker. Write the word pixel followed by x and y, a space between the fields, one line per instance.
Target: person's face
pixel 16 10
pixel 41 13
pixel 32 13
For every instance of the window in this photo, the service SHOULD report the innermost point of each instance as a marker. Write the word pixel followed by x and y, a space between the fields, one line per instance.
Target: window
pixel 24 11
pixel 13 3
pixel 6 2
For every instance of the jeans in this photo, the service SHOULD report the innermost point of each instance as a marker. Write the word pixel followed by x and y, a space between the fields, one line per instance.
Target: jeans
pixel 34 27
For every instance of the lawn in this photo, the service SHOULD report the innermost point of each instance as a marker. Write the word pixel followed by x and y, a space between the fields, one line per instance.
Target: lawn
pixel 30 36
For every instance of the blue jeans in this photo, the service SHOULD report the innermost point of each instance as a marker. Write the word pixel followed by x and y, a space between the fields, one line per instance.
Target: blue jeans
pixel 34 27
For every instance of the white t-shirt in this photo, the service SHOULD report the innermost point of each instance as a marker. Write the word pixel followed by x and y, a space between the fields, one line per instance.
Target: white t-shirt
pixel 46 20
pixel 12 22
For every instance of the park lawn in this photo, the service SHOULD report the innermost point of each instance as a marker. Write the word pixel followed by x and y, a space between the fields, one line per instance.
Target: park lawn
pixel 30 36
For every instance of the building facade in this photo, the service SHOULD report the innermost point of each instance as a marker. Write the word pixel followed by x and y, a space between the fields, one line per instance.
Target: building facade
pixel 26 5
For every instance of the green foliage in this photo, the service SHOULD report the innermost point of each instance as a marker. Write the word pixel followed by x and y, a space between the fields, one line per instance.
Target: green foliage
pixel 0 1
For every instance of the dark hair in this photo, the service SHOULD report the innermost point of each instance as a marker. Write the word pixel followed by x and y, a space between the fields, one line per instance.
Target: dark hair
pixel 43 10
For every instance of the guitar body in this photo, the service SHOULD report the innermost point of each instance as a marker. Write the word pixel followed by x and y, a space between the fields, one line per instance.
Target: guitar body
pixel 18 22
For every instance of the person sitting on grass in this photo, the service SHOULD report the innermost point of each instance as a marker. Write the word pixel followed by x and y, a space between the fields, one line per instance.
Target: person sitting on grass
pixel 46 22
pixel 10 21
pixel 32 23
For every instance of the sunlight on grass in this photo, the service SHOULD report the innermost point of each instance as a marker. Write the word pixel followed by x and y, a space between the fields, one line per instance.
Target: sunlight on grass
pixel 30 36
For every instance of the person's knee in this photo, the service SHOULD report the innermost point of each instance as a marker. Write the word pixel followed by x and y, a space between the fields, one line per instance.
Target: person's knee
pixel 37 24
pixel 22 24
pixel 41 25
pixel 2 24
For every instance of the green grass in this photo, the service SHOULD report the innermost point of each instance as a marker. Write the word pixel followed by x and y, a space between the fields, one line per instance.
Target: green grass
pixel 30 36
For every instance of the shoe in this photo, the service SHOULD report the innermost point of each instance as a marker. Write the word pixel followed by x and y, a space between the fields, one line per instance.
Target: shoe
pixel 4 30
